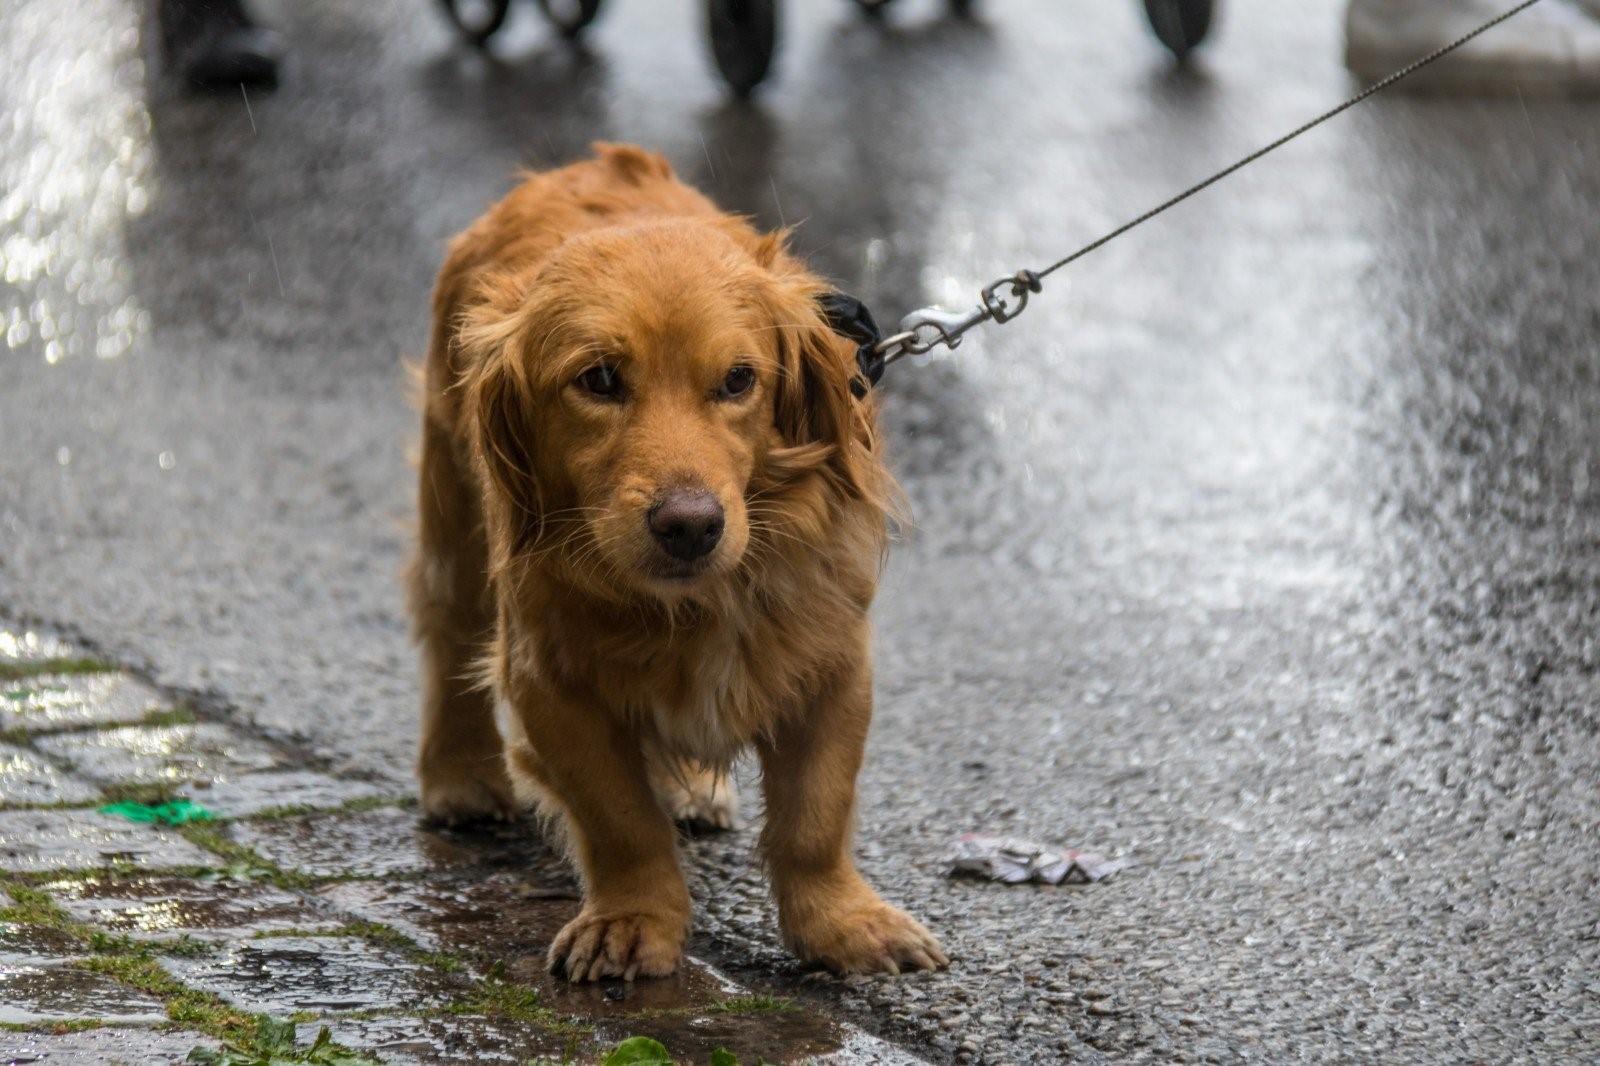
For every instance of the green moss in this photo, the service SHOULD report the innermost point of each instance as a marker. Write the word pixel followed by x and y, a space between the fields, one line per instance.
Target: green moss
pixel 178 714
pixel 103 943
pixel 185 946
pixel 241 861
pixel 439 960
pixel 59 805
pixel 185 1006
pixel 751 1004
pixel 380 935
pixel 64 665
pixel 32 906
pixel 497 998
pixel 138 970
pixel 354 806
pixel 151 795
pixel 210 1015
pixel 54 1026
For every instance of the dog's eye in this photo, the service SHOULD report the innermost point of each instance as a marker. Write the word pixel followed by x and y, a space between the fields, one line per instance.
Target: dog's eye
pixel 602 380
pixel 738 381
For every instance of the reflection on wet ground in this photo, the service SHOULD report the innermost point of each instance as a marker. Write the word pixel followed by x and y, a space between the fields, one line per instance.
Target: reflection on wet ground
pixel 1262 549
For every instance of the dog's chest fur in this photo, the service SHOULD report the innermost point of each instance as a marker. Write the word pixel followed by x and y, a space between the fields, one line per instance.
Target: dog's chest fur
pixel 708 681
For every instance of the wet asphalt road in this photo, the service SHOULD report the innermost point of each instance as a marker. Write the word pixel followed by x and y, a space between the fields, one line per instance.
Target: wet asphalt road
pixel 1264 552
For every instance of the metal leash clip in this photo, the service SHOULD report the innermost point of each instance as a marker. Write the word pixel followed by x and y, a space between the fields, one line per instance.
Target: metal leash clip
pixel 925 329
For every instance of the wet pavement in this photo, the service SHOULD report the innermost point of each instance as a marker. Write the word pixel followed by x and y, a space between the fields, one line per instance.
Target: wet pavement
pixel 338 912
pixel 1262 553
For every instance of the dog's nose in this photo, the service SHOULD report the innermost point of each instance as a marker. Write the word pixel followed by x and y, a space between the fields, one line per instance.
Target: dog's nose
pixel 687 523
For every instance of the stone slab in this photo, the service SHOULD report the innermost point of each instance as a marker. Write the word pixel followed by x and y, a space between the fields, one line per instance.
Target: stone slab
pixel 37 841
pixel 51 701
pixel 109 1046
pixel 22 645
pixel 249 794
pixel 22 944
pixel 31 993
pixel 176 755
pixel 27 778
pixel 384 843
pixel 324 975
pixel 410 1041
pixel 206 908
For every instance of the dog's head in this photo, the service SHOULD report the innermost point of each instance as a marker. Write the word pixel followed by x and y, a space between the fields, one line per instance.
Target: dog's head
pixel 659 401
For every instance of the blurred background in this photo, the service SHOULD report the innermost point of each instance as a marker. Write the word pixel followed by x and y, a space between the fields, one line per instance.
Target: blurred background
pixel 1261 552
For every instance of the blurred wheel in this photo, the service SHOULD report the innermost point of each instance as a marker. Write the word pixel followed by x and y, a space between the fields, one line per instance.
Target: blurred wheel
pixel 1180 24
pixel 744 36
pixel 570 16
pixel 478 20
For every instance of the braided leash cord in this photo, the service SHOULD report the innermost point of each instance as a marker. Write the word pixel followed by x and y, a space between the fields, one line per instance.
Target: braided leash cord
pixel 1003 300
pixel 1374 88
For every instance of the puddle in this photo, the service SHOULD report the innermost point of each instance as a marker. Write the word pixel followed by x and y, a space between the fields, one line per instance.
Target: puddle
pixel 52 702
pixel 493 919
pixel 282 975
pixel 240 797
pixel 510 920
pixel 436 1040
pixel 388 842
pixel 29 778
pixel 103 1047
pixel 206 908
pixel 34 993
pixel 148 755
pixel 41 841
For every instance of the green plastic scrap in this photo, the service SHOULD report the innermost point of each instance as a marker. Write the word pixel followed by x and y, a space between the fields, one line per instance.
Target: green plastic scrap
pixel 173 812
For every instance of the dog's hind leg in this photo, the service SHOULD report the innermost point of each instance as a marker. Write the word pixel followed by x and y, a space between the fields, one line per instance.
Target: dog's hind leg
pixel 698 798
pixel 461 760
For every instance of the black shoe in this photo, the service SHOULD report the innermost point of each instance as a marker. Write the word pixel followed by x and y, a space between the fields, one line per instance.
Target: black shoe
pixel 214 43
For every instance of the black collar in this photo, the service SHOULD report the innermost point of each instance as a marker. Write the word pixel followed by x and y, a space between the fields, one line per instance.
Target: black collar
pixel 850 318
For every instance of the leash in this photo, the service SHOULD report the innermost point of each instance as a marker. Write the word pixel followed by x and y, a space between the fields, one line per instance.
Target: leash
pixel 1002 300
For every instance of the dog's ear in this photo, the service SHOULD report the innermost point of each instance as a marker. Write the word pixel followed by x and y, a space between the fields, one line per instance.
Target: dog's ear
pixel 822 423
pixel 499 404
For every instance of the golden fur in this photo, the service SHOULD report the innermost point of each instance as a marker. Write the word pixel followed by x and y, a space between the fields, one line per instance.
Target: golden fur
pixel 623 686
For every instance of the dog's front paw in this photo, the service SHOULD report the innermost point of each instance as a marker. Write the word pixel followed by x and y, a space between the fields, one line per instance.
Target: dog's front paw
pixel 608 943
pixel 456 798
pixel 866 937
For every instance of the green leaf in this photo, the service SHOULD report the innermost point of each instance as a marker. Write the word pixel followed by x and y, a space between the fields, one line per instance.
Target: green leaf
pixel 275 1035
pixel 723 1057
pixel 638 1051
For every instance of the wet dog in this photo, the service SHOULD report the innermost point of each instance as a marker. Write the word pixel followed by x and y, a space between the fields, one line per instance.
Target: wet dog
pixel 652 516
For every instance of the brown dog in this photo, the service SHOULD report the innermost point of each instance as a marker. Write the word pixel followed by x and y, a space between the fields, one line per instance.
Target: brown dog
pixel 649 495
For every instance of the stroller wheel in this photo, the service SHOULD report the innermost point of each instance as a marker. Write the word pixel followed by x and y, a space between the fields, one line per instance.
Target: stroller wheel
pixel 478 20
pixel 744 34
pixel 1180 24
pixel 570 16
